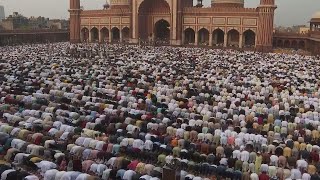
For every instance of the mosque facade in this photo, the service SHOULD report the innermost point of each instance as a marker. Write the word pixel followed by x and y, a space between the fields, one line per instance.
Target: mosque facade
pixel 227 23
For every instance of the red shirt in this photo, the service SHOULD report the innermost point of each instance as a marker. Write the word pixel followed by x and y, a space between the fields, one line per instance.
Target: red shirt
pixel 314 156
pixel 38 140
pixel 264 176
pixel 105 147
pixel 133 165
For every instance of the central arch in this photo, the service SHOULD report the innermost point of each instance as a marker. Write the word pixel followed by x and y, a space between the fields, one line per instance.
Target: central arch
pixel 162 31
pixel 149 13
pixel 140 2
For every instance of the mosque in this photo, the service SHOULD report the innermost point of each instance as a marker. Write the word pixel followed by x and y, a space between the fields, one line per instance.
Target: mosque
pixel 227 23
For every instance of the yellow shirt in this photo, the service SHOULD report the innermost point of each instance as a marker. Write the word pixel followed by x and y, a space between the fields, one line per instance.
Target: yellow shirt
pixel 186 135
pixel 296 145
pixel 35 159
pixel 277 129
pixel 138 123
pixel 315 134
pixel 266 127
pixel 303 146
pixel 312 169
pixel 287 152
pixel 270 119
pixel 140 168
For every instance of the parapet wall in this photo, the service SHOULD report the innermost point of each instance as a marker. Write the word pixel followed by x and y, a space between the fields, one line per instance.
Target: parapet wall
pixel 219 10
pixel 109 12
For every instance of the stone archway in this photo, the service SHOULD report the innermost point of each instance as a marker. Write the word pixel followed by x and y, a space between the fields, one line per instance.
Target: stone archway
pixel 249 38
pixel 148 11
pixel 203 36
pixel 280 43
pixel 233 38
pixel 125 34
pixel 162 31
pixel 142 1
pixel 294 44
pixel 94 34
pixel 302 45
pixel 115 34
pixel 104 34
pixel 189 36
pixel 218 37
pixel 286 44
pixel 84 34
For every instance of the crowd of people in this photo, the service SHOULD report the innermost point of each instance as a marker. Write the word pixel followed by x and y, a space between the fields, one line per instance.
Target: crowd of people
pixel 128 112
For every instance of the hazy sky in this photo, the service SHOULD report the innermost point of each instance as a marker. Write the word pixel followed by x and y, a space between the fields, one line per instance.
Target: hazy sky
pixel 289 12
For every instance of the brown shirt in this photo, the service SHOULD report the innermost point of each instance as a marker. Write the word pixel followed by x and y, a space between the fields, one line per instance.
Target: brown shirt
pixel 245 176
pixel 282 161
pixel 220 151
pixel 312 169
pixel 193 135
pixel 205 148
pixel 280 174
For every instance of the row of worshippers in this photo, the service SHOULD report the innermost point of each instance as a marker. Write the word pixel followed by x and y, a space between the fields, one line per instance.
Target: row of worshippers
pixel 213 113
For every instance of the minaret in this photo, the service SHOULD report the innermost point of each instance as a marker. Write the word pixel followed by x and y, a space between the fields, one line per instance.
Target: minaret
pixel 179 29
pixel 75 21
pixel 265 25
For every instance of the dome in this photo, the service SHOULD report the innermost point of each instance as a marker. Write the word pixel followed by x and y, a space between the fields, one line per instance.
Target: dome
pixel 228 3
pixel 315 18
pixel 119 2
pixel 316 15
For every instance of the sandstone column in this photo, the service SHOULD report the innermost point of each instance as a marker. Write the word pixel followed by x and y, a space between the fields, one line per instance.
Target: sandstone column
pixel 210 39
pixel 225 43
pixel 75 21
pixel 196 39
pixel 121 36
pixel 110 35
pixel 90 36
pixel 265 25
pixel 100 36
pixel 240 40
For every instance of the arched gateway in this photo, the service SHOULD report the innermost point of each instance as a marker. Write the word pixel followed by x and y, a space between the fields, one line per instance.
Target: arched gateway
pixel 154 20
pixel 162 31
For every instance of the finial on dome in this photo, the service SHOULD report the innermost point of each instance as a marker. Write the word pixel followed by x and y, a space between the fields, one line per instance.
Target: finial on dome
pixel 106 5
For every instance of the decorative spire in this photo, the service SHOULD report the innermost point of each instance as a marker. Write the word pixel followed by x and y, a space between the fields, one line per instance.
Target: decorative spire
pixel 106 5
pixel 199 3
